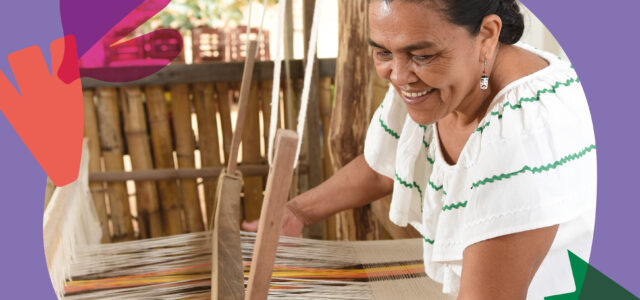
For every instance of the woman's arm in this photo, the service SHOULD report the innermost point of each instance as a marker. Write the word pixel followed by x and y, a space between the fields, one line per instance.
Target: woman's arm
pixel 355 185
pixel 503 267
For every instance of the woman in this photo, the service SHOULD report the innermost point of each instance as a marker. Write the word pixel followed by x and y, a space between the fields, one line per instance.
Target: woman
pixel 487 147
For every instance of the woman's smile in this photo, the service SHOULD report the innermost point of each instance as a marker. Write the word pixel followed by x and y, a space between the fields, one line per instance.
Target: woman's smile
pixel 417 97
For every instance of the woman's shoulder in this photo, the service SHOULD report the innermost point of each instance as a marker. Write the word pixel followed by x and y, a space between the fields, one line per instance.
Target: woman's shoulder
pixel 547 106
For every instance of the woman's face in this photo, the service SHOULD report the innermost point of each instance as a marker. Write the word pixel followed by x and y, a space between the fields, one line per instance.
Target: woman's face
pixel 433 64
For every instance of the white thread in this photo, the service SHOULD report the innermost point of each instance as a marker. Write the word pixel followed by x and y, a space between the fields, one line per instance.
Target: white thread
pixel 277 68
pixel 308 74
pixel 304 102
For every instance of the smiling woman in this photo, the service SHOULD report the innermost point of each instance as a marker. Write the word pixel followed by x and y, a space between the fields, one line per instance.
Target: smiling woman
pixel 486 145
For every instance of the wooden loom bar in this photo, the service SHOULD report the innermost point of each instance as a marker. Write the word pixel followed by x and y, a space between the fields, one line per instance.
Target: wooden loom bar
pixel 227 278
pixel 201 73
pixel 206 110
pixel 162 144
pixel 182 173
pixel 185 147
pixel 112 151
pixel 136 133
pixel 276 195
pixel 97 189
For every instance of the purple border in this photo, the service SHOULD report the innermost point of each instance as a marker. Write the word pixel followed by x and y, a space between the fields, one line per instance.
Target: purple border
pixel 599 38
pixel 602 43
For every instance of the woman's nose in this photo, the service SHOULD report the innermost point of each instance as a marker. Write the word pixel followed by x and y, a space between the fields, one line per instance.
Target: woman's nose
pixel 401 73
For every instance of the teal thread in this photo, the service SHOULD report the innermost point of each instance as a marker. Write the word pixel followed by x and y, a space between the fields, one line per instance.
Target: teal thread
pixel 386 128
pixel 428 240
pixel 434 186
pixel 535 170
pixel 518 105
pixel 454 206
pixel 410 185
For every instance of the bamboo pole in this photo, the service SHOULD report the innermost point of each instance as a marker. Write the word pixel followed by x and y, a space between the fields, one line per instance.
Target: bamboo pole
pixel 208 141
pixel 97 189
pixel 350 115
pixel 135 128
pixel 224 102
pixel 162 144
pixel 112 151
pixel 251 155
pixel 185 147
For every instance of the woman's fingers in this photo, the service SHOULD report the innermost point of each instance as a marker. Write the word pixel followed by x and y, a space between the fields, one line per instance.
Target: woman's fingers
pixel 250 226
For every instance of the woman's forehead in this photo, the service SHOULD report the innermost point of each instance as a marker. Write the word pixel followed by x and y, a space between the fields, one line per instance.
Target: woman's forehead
pixel 401 23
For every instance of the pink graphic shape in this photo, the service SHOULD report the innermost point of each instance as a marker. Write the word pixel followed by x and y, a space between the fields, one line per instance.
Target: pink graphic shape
pixel 114 43
pixel 47 114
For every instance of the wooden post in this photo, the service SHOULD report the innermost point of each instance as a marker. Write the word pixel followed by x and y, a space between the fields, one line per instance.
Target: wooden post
pixel 112 151
pixel 208 141
pixel 350 116
pixel 251 155
pixel 97 189
pixel 276 194
pixel 325 112
pixel 185 147
pixel 135 129
pixel 224 103
pixel 266 87
pixel 163 158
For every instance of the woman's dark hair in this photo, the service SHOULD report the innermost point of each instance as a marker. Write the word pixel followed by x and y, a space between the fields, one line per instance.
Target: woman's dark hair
pixel 469 14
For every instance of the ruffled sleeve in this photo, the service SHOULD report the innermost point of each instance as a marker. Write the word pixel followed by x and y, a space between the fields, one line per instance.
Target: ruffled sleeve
pixel 530 164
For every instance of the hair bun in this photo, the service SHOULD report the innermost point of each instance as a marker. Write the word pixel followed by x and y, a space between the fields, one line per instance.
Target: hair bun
pixel 512 21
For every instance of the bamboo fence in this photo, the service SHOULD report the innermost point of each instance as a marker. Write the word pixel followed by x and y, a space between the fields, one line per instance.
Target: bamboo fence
pixel 157 146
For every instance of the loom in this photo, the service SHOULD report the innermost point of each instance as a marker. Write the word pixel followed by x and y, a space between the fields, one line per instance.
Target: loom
pixel 182 266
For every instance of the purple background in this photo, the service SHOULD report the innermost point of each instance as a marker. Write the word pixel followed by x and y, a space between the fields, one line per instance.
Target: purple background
pixel 600 39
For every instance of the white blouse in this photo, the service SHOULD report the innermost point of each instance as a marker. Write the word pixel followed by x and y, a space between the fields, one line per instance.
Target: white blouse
pixel 531 163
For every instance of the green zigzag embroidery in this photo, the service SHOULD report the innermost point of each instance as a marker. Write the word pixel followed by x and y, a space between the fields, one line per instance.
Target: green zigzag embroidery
pixel 553 89
pixel 454 206
pixel 428 240
pixel 386 128
pixel 535 170
pixel 410 185
pixel 435 187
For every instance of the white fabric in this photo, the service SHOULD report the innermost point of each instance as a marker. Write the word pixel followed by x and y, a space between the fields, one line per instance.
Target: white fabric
pixel 530 164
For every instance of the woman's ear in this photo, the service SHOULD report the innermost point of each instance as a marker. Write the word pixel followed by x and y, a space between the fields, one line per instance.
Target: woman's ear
pixel 489 36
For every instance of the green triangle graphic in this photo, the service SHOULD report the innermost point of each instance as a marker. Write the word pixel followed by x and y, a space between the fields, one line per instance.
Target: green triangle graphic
pixel 591 284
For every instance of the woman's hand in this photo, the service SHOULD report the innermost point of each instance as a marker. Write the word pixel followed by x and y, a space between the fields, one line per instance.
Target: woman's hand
pixel 292 225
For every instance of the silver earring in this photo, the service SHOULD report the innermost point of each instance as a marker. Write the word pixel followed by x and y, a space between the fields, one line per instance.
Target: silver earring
pixel 484 79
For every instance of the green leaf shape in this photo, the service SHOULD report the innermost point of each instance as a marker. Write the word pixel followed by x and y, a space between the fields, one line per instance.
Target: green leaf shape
pixel 591 284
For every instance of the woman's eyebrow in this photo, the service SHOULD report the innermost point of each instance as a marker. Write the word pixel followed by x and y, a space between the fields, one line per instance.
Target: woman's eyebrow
pixel 418 46
pixel 408 48
pixel 374 44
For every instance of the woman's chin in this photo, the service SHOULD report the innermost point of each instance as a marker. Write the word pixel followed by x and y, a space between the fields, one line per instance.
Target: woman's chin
pixel 422 118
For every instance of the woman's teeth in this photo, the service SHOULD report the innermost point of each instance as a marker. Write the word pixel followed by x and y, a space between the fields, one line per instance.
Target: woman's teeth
pixel 416 94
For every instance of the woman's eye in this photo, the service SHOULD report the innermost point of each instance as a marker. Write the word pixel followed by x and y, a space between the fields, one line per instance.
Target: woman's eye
pixel 421 58
pixel 383 55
